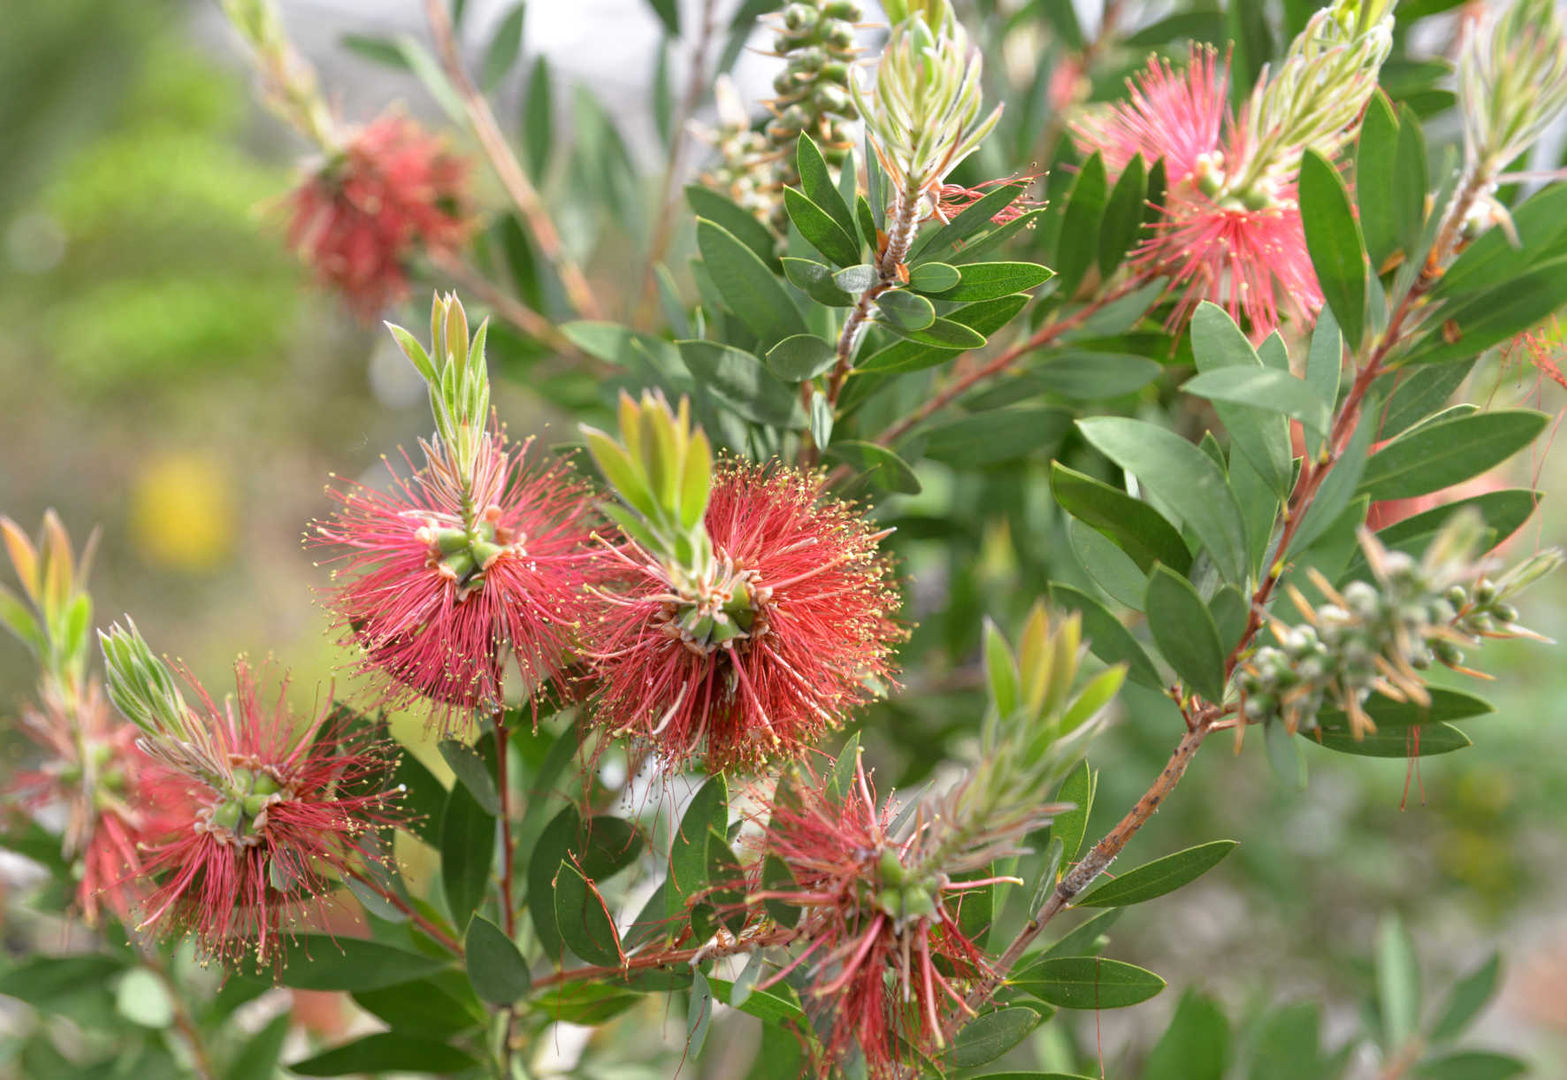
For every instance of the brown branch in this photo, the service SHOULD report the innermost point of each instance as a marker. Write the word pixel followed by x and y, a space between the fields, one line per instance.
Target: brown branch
pixel 508 845
pixel 507 168
pixel 508 307
pixel 671 957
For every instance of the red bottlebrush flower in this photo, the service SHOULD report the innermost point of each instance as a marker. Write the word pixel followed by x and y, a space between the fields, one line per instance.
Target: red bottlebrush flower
pixel 953 199
pixel 1177 117
pixel 1250 260
pixel 276 819
pixel 440 611
pixel 102 781
pixel 394 190
pixel 883 945
pixel 813 595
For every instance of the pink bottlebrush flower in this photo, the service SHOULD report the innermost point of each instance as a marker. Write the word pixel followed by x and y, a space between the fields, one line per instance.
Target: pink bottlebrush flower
pixel 1177 117
pixel 102 781
pixel 817 598
pixel 392 191
pixel 440 613
pixel 953 199
pixel 276 818
pixel 882 943
pixel 1249 260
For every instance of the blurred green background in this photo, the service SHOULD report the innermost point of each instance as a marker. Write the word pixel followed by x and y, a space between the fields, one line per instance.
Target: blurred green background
pixel 170 375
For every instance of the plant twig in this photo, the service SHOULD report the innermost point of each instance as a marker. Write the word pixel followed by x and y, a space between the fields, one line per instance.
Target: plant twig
pixel 419 918
pixel 671 957
pixel 508 846
pixel 508 307
pixel 507 168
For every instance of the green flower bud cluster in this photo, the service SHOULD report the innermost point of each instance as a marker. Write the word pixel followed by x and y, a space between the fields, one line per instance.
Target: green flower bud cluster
pixel 898 894
pixel 241 814
pixel 1379 635
pixel 463 554
pixel 816 40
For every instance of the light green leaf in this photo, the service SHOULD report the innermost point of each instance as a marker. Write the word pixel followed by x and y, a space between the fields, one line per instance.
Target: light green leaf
pixel 991 1035
pixel 1183 629
pixel 801 357
pixel 1135 527
pixel 1398 984
pixel 1159 877
pixel 1438 455
pixel 1087 982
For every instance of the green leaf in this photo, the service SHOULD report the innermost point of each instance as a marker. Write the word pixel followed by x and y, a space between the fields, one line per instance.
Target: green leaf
pixel 1438 455
pixel 1159 877
pixel 934 277
pixel 1260 435
pixel 1111 568
pixel 1409 181
pixel 999 435
pixel 553 846
pixel 991 1035
pixel 1472 1065
pixel 1135 527
pixel 1334 242
pixel 1398 984
pixel 817 185
pixel 583 919
pixel 1093 376
pixel 942 333
pixel 816 281
pixel 1107 638
pixel 743 382
pixel 984 317
pixel 885 468
pixel 742 225
pixel 1123 218
pixel 504 48
pixel 495 966
pixel 1324 366
pixel 707 812
pixel 1287 1047
pixel 820 230
pixel 1088 939
pixel 1494 260
pixel 424 798
pixel 1087 982
pixel 1070 826
pixel 906 312
pixel 1468 999
pixel 939 245
pixel 321 962
pixel 668 12
pixel 1471 326
pixel 989 280
pixel 1446 706
pixel 801 357
pixel 257 1057
pixel 386 1052
pixel 143 999
pixel 437 1007
pixel 584 1002
pixel 1375 164
pixel 473 772
pixel 467 852
pixel 1504 513
pixel 1267 389
pixel 538 120
pixel 699 1009
pixel 1183 629
pixel 1079 240
pixel 1183 478
pixel 747 285
pixel 777 1004
pixel 1424 740
pixel 1196 1044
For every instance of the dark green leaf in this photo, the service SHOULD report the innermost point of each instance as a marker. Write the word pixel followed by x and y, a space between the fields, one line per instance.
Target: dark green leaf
pixel 553 846
pixel 816 281
pixel 906 312
pixel 1123 218
pixel 991 1035
pixel 257 1058
pixel 473 772
pixel 984 317
pixel 933 277
pixel 1107 638
pixel 1071 825
pixel 1504 513
pixel 743 382
pixel 1159 877
pixel 1409 181
pixel 707 812
pixel 1089 939
pixel 668 12
pixel 495 966
pixel 437 1007
pixel 321 962
pixel 1422 741
pixel 1137 528
pixel 747 285
pixel 1261 436
pixel 1111 568
pixel 1472 1065
pixel 1446 706
pixel 774 1005
pixel 1473 325
pixel 424 798
pixel 504 47
pixel 1287 1047
pixel 1093 376
pixel 804 356
pixel 998 435
pixel 1494 260
pixel 386 1052
pixel 1438 455
pixel 1376 161
pixel 1196 1044
pixel 942 333
pixel 742 225
pixel 1333 239
pixel 1324 365
pixel 1469 997
pixel 1183 629
pixel 467 852
pixel 44 980
pixel 1183 478
pixel 816 183
pixel 1079 240
pixel 584 1002
pixel 538 120
pixel 885 468
pixel 988 280
pixel 1267 389
pixel 939 245
pixel 820 230
pixel 1087 982
pixel 583 919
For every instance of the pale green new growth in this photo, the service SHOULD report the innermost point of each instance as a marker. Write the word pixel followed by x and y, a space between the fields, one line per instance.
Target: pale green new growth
pixel 1512 82
pixel 457 379
pixel 141 685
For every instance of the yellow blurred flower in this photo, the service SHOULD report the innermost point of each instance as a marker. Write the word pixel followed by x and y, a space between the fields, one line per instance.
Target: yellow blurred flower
pixel 182 513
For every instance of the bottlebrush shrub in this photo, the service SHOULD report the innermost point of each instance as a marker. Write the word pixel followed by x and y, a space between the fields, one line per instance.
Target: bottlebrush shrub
pixel 943 476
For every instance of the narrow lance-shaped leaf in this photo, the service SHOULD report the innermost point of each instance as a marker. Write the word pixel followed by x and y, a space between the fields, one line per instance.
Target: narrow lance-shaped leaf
pixel 1334 242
